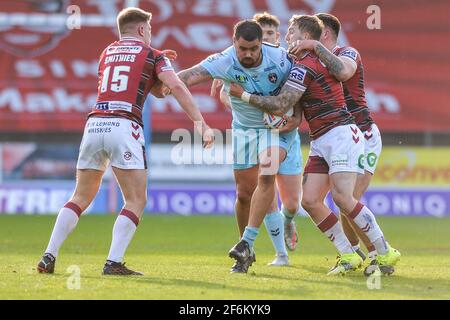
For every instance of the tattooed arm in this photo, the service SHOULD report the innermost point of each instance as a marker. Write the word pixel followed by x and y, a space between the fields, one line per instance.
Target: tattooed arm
pixel 341 68
pixel 195 75
pixel 277 105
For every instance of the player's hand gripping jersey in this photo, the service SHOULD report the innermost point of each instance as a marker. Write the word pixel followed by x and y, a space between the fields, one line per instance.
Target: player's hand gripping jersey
pixel 323 100
pixel 127 71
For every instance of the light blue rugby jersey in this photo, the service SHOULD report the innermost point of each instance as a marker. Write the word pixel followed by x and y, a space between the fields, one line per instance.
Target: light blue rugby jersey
pixel 265 79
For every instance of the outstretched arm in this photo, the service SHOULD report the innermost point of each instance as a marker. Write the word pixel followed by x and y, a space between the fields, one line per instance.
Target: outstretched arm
pixel 186 101
pixel 195 75
pixel 277 105
pixel 341 68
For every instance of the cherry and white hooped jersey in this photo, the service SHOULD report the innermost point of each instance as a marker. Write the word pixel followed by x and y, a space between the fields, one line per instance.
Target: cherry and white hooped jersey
pixel 354 93
pixel 127 70
pixel 323 99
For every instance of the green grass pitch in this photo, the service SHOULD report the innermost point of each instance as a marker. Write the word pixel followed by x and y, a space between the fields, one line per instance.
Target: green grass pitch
pixel 186 258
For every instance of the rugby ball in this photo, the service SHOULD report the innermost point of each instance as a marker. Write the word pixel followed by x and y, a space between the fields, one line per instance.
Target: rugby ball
pixel 276 122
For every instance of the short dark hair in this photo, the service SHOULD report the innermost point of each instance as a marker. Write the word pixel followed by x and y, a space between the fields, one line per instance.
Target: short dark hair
pixel 249 30
pixel 331 22
pixel 266 18
pixel 310 24
pixel 129 16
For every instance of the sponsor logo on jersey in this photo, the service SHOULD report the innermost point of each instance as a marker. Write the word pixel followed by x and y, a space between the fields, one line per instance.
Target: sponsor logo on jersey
pixel 123 49
pixel 339 160
pixel 371 159
pixel 255 77
pixel 120 105
pixel 102 106
pixel 349 53
pixel 241 78
pixel 361 161
pixel 214 57
pixel 273 77
pixel 127 155
pixel 114 105
pixel 269 68
pixel 298 74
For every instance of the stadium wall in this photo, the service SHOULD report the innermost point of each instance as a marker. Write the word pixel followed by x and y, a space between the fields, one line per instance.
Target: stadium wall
pixel 48 198
pixel 408 182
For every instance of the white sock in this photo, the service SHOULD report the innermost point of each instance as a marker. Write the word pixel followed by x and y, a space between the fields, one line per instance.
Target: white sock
pixel 67 220
pixel 356 248
pixel 365 219
pixel 332 228
pixel 123 231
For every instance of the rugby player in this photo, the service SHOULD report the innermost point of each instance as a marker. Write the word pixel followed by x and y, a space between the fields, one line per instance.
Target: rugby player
pixel 128 70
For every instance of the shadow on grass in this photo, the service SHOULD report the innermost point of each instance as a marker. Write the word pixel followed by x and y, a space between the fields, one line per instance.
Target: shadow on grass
pixel 206 285
pixel 407 287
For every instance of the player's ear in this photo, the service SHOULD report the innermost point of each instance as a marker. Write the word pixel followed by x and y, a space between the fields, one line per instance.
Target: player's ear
pixel 141 30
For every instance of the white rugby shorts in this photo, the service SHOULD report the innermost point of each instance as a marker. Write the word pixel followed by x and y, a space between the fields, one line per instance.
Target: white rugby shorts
pixel 372 148
pixel 339 150
pixel 118 141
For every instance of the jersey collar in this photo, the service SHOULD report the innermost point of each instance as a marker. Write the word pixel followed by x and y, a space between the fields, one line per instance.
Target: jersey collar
pixel 130 39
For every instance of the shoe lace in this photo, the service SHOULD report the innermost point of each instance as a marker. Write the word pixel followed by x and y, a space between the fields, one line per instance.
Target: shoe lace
pixel 49 257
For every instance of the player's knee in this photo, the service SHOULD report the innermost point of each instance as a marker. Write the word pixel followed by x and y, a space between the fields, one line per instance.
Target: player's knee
pixel 84 195
pixel 244 195
pixel 266 181
pixel 361 187
pixel 142 202
pixel 291 205
pixel 343 201
pixel 357 194
pixel 291 202
pixel 269 165
pixel 136 200
pixel 310 202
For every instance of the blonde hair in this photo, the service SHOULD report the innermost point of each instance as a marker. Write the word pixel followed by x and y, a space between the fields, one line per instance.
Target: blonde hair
pixel 266 18
pixel 131 16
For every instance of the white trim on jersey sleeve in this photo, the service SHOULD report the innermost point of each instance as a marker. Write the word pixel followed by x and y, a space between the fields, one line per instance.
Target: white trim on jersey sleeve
pixel 167 65
pixel 297 77
pixel 350 53
pixel 296 85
